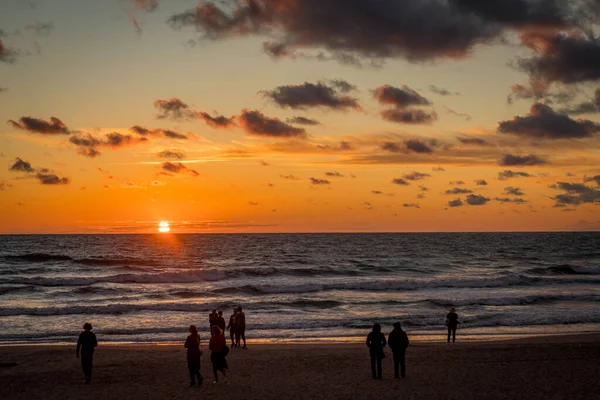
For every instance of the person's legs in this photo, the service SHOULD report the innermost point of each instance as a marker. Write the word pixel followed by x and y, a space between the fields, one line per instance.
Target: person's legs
pixel 237 338
pixel 449 332
pixel 396 365
pixel 192 371
pixel 373 370
pixel 244 336
pixel 453 335
pixel 402 360
pixel 232 336
pixel 87 360
pixel 379 372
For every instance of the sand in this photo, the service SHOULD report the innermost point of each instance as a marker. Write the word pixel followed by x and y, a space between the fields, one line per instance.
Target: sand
pixel 561 367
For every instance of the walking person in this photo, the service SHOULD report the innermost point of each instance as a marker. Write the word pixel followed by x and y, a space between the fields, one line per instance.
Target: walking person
pixel 192 344
pixel 376 342
pixel 398 342
pixel 87 343
pixel 452 323
pixel 219 351
pixel 232 326
pixel 241 328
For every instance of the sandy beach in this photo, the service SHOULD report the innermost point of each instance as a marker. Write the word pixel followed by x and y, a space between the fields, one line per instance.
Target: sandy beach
pixel 558 367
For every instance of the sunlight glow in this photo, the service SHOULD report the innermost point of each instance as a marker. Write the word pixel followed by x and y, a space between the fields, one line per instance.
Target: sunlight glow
pixel 164 227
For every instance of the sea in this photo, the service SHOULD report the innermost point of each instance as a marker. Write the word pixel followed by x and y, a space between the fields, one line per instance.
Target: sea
pixel 297 287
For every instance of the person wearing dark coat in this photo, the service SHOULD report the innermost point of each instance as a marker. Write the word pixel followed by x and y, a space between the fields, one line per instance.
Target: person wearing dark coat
pixel 398 342
pixel 376 342
pixel 192 344
pixel 452 323
pixel 87 343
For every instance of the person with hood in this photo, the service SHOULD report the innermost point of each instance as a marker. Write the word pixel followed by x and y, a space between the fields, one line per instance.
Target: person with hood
pixel 398 342
pixel 376 342
pixel 192 344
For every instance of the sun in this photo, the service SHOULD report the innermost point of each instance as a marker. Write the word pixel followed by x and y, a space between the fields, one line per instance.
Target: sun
pixel 164 227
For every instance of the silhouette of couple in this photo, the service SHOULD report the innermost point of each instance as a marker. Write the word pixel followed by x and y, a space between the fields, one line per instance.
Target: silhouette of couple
pixel 397 341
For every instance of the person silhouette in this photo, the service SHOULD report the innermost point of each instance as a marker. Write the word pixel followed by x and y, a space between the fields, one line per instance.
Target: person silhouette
pixel 220 321
pixel 452 323
pixel 192 344
pixel 376 342
pixel 219 350
pixel 241 328
pixel 398 342
pixel 232 326
pixel 212 318
pixel 87 343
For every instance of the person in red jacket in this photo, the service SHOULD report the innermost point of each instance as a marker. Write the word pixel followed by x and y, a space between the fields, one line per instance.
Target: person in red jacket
pixel 219 350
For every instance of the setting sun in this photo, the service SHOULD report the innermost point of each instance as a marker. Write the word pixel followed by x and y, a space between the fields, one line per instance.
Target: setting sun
pixel 164 227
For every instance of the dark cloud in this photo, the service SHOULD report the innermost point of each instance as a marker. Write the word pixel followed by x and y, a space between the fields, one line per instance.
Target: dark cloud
pixel 507 174
pixel 166 133
pixel 537 93
pixel 171 134
pixel 411 116
pixel 476 200
pixel 7 55
pixel 457 182
pixel 315 181
pixel 595 178
pixel 399 97
pixel 415 176
pixel 458 191
pixel 411 205
pixel 302 121
pixel 438 169
pixel 481 182
pixel 289 177
pixel 177 168
pixel 173 109
pixel 334 174
pixel 252 203
pixel 172 153
pixel 504 200
pixel 53 127
pixel 309 95
pixel 418 146
pixel 219 121
pixel 544 122
pixel 513 191
pixel 342 146
pixel 464 115
pixel 342 85
pixel 455 203
pixel 510 160
pixel 587 107
pixel 575 194
pixel 47 178
pixel 140 130
pixel 21 166
pixel 423 188
pixel 400 181
pixel 476 141
pixel 441 91
pixel 41 28
pixel 256 123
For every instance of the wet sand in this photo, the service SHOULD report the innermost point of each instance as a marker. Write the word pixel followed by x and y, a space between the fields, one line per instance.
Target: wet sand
pixel 559 367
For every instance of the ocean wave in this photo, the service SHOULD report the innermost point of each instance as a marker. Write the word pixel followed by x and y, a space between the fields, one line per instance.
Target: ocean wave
pixel 565 269
pixel 37 257
pixel 19 288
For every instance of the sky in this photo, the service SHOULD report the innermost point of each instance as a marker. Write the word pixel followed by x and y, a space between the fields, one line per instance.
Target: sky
pixel 299 115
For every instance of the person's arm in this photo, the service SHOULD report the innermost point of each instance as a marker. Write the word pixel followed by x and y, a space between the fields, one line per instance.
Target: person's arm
pixel 229 324
pixel 384 342
pixel 95 341
pixel 369 340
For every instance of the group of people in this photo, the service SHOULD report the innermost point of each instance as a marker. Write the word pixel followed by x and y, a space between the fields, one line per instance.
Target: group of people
pixel 397 341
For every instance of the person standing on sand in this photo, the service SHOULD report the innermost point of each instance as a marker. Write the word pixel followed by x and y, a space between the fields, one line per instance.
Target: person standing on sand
pixel 219 350
pixel 87 343
pixel 192 344
pixel 398 342
pixel 241 327
pixel 452 323
pixel 212 318
pixel 232 326
pixel 376 342
pixel 220 321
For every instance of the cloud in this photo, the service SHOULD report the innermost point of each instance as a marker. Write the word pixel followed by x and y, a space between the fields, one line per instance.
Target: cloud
pixel 575 194
pixel 302 121
pixel 458 191
pixel 4 185
pixel 476 141
pixel 256 123
pixel 481 182
pixel 166 133
pixel 7 55
pixel 457 182
pixel 219 121
pixel 409 205
pixel 587 107
pixel 411 116
pixel 309 95
pixel 334 174
pixel 47 178
pixel 177 168
pixel 172 153
pixel 400 181
pixel 41 28
pixel 539 92
pixel 173 108
pixel 399 97
pixel 21 165
pixel 513 191
pixel 35 125
pixel 455 203
pixel 252 203
pixel 595 178
pixel 423 188
pixel 544 122
pixel 441 91
pixel 415 176
pixel 315 181
pixel 507 174
pixel 504 200
pixel 289 177
pixel 476 200
pixel 417 146
pixel 509 160
pixel 438 169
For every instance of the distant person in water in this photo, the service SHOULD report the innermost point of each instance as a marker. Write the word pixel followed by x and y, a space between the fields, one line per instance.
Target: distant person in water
pixel 452 323
pixel 219 350
pixel 212 317
pixel 376 342
pixel 240 328
pixel 220 321
pixel 398 342
pixel 86 344
pixel 192 344
pixel 232 327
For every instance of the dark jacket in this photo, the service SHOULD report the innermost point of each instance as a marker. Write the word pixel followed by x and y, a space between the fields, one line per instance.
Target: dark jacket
pixel 87 342
pixel 192 344
pixel 376 342
pixel 398 340
pixel 452 320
